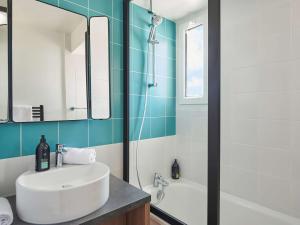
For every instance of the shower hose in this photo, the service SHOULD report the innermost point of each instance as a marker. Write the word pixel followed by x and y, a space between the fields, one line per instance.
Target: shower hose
pixel 141 130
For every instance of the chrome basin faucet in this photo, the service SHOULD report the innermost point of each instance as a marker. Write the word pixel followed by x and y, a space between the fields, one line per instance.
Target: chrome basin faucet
pixel 158 179
pixel 59 155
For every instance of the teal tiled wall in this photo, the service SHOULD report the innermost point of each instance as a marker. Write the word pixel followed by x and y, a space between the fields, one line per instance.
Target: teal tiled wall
pixel 161 111
pixel 18 139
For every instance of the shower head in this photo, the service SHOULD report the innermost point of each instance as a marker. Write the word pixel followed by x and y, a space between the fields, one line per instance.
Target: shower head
pixel 156 21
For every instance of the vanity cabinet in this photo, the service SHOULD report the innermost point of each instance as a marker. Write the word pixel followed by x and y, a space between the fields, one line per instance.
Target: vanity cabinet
pixel 137 216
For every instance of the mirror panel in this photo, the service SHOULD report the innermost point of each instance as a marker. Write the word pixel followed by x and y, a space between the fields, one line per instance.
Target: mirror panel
pixel 3 62
pixel 49 63
pixel 100 72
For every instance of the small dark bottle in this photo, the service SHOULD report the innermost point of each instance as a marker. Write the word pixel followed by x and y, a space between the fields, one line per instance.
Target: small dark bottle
pixel 42 155
pixel 175 170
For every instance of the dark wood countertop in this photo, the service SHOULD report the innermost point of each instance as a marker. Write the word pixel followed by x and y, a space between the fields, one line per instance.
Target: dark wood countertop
pixel 123 197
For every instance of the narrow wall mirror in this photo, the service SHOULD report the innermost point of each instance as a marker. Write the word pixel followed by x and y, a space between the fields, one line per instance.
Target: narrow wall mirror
pixel 3 62
pixel 49 63
pixel 100 72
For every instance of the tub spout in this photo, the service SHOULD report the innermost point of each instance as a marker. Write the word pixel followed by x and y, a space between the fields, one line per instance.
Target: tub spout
pixel 158 179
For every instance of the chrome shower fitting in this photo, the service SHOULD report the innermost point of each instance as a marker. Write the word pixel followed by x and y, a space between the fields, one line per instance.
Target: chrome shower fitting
pixel 156 21
pixel 158 179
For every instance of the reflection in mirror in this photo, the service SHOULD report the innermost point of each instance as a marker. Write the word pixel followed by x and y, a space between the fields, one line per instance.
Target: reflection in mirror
pixel 49 63
pixel 3 62
pixel 100 82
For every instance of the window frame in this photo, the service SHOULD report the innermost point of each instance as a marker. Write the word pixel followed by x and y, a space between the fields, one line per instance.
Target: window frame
pixel 183 99
pixel 186 60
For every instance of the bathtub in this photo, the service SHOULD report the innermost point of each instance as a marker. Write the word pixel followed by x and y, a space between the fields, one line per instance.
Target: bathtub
pixel 187 201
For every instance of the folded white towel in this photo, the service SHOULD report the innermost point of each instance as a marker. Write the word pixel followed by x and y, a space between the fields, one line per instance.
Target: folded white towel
pixel 80 156
pixel 6 214
pixel 22 113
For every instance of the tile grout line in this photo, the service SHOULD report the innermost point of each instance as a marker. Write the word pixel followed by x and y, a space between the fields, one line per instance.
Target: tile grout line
pixel 155 96
pixel 93 10
pixel 148 117
pixel 88 133
pixel 165 118
pixel 159 34
pixel 150 120
pixel 88 8
pixel 21 139
pixel 132 64
pixel 88 121
pixel 102 13
pixel 150 75
pixel 58 132
pixel 74 3
pixel 145 51
pixel 113 77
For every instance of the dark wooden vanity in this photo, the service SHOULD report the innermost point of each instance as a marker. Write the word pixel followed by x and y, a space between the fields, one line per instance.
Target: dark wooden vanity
pixel 138 216
pixel 126 205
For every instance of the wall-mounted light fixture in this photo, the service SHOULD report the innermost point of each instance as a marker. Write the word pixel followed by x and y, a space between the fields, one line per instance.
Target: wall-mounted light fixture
pixel 3 15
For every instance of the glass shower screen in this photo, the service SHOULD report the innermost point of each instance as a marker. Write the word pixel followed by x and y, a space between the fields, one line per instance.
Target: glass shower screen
pixel 168 107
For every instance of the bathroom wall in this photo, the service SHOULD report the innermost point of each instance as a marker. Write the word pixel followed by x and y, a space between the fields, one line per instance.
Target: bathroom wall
pixel 260 102
pixel 191 119
pixel 161 109
pixel 20 139
pixel 11 168
pixel 3 72
pixel 156 150
pixel 155 155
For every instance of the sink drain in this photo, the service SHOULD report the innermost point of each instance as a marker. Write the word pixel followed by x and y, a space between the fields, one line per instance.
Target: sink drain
pixel 66 186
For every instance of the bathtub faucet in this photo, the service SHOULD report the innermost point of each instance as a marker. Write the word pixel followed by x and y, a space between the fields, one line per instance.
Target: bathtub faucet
pixel 158 179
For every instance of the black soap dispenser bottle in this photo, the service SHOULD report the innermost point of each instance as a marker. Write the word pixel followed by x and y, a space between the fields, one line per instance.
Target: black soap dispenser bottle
pixel 42 155
pixel 175 170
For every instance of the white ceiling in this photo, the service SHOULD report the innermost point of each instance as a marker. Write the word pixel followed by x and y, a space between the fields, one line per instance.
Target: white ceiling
pixel 41 15
pixel 173 9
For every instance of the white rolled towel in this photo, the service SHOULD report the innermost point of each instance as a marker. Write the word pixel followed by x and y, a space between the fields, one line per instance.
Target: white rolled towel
pixel 6 214
pixel 80 156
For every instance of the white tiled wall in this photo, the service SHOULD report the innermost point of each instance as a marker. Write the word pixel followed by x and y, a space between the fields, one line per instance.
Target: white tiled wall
pixel 191 119
pixel 260 48
pixel 191 147
pixel 155 155
pixel 10 169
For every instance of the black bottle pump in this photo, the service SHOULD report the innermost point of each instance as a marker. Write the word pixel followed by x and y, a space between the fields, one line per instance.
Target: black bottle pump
pixel 42 155
pixel 175 170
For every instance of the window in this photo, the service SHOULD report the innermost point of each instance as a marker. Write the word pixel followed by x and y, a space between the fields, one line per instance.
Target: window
pixel 192 71
pixel 194 62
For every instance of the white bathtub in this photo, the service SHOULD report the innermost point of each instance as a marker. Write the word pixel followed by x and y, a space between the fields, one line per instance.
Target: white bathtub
pixel 187 201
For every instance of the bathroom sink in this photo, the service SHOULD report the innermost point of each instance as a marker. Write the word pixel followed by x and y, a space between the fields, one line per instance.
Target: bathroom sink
pixel 62 194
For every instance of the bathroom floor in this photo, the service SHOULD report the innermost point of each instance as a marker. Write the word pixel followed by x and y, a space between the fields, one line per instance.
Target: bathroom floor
pixel 153 222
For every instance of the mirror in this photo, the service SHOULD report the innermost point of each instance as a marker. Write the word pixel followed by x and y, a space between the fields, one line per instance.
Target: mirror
pixel 49 63
pixel 100 79
pixel 3 62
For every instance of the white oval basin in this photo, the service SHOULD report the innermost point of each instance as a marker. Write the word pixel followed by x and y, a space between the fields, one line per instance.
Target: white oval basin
pixel 62 194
